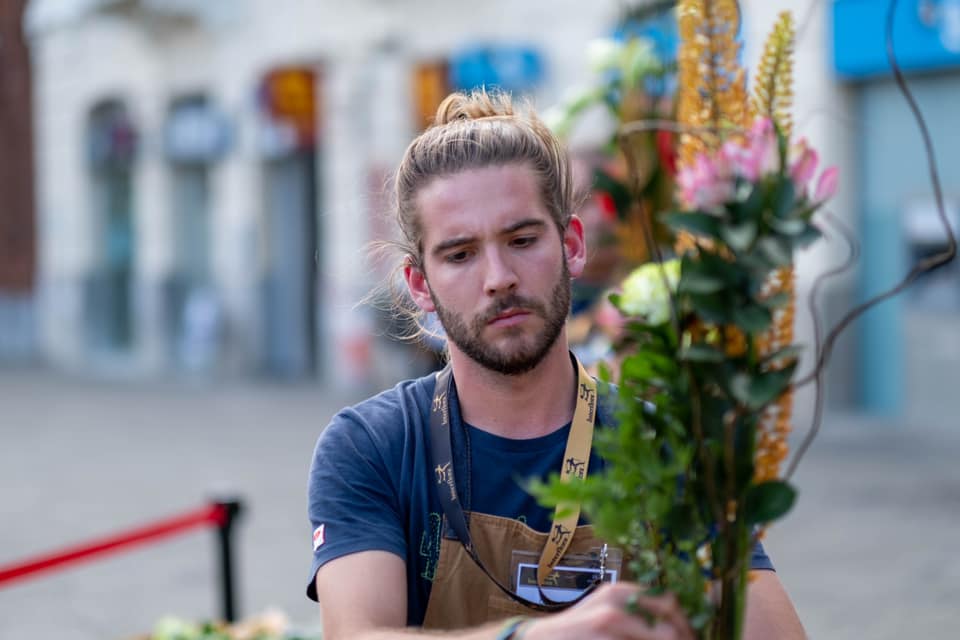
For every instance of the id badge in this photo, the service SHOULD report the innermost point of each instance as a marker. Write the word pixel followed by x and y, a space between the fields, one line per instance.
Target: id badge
pixel 572 575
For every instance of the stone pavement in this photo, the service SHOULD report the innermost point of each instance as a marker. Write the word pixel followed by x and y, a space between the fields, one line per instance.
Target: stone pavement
pixel 869 551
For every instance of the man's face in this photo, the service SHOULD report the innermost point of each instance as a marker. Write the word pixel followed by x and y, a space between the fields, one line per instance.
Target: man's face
pixel 495 268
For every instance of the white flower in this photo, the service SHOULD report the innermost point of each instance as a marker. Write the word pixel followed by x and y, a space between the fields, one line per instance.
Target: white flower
pixel 604 54
pixel 647 291
pixel 557 119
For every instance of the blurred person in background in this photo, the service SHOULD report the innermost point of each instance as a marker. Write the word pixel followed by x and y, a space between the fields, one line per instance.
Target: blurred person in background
pixel 420 519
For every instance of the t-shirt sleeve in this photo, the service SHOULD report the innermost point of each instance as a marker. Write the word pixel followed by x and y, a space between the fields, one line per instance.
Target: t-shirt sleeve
pixel 353 502
pixel 759 560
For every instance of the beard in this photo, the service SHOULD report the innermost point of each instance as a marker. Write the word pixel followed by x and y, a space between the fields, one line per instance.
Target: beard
pixel 526 352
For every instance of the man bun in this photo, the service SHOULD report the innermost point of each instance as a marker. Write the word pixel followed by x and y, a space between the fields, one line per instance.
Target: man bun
pixel 475 105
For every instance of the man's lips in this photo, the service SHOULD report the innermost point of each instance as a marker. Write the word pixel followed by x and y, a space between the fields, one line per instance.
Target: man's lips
pixel 509 317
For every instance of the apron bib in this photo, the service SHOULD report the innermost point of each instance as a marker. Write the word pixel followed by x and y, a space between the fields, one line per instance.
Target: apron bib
pixel 462 596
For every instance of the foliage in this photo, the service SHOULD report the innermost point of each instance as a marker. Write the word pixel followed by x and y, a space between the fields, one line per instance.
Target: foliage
pixel 269 626
pixel 679 489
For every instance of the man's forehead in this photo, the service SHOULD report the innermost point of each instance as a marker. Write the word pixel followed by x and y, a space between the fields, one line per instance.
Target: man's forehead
pixel 480 201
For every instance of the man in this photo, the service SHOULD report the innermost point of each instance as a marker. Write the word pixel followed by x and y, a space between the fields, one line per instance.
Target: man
pixel 484 202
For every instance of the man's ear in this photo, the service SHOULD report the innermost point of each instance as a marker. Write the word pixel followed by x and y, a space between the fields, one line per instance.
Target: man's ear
pixel 417 285
pixel 574 246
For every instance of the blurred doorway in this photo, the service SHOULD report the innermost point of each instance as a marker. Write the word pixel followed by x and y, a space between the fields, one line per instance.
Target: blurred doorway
pixel 289 147
pixel 108 294
pixel 195 136
pixel 289 289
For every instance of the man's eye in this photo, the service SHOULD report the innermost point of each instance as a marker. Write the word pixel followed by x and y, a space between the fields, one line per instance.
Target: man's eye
pixel 524 241
pixel 459 256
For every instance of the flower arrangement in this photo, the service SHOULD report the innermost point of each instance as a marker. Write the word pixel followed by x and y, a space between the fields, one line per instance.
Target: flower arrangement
pixel 270 625
pixel 630 84
pixel 707 370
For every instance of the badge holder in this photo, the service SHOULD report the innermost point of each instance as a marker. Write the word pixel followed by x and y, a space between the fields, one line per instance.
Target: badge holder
pixel 572 575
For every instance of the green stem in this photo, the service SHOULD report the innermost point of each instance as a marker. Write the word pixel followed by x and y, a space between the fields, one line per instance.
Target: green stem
pixel 733 585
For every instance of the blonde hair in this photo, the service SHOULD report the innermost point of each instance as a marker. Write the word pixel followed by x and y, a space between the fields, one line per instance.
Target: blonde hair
pixel 473 131
pixel 470 131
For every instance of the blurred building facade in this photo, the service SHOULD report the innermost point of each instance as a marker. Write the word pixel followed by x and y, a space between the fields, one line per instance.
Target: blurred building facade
pixel 17 211
pixel 209 172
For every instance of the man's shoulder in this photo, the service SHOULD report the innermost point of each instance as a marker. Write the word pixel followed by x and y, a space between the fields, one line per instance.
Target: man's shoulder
pixel 414 393
pixel 390 412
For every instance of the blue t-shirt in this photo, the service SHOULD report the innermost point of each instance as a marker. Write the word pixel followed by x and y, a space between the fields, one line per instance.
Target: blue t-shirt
pixel 371 485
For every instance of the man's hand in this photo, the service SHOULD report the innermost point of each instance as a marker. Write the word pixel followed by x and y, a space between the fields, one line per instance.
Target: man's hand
pixel 606 614
pixel 363 595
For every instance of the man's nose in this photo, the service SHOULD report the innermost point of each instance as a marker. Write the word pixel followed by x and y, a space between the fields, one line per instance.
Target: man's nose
pixel 500 275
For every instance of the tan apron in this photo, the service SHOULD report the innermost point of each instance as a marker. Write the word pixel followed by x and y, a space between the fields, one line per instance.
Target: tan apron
pixel 462 596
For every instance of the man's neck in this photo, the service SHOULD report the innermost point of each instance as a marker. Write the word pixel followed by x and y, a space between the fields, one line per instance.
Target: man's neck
pixel 523 406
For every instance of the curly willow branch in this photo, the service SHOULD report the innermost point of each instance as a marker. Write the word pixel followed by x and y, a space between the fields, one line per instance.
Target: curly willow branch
pixel 813 304
pixel 923 266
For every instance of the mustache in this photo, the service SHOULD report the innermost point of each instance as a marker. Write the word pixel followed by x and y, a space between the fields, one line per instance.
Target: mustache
pixel 512 301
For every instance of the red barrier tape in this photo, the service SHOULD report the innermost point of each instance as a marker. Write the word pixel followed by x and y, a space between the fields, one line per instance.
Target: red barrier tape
pixel 215 514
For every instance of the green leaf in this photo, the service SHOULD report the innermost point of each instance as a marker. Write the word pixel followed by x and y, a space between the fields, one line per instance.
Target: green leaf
pixel 645 365
pixel 695 222
pixel 752 318
pixel 603 371
pixel 701 353
pixel 757 263
pixel 785 198
pixel 791 352
pixel 751 207
pixel 788 227
pixel 809 235
pixel 739 237
pixel 777 251
pixel 757 391
pixel 681 522
pixel 697 282
pixel 717 266
pixel 710 307
pixel 768 501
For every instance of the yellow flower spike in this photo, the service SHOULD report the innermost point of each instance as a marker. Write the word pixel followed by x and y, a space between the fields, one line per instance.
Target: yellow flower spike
pixel 773 88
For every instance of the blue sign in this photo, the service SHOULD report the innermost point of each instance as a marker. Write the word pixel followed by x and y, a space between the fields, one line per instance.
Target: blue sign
pixel 660 29
pixel 926 36
pixel 511 68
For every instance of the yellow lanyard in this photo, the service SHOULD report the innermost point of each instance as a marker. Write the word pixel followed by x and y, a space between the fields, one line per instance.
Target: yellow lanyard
pixel 576 460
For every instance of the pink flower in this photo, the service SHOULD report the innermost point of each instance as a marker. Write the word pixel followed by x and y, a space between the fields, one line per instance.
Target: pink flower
pixel 706 184
pixel 758 157
pixel 762 155
pixel 736 156
pixel 803 168
pixel 827 185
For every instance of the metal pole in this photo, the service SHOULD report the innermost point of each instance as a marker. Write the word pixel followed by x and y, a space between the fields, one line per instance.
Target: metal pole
pixel 232 509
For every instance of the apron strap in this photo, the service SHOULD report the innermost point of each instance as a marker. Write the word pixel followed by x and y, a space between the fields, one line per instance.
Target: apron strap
pixel 576 458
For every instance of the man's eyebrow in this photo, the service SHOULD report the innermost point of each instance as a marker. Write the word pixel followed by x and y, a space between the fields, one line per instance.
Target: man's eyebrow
pixel 521 224
pixel 451 243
